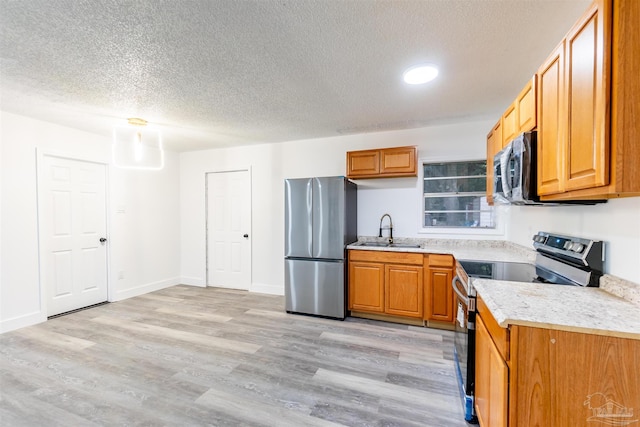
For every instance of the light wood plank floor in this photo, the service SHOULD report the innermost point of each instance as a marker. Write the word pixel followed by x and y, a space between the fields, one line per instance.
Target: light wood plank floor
pixel 204 356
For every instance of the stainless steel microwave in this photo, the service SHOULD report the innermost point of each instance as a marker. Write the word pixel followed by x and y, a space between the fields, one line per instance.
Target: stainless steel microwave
pixel 515 172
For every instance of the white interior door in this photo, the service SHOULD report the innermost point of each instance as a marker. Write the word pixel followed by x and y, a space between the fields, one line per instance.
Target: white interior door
pixel 73 220
pixel 229 229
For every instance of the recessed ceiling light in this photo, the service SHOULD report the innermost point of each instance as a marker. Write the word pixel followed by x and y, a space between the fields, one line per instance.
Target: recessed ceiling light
pixel 420 74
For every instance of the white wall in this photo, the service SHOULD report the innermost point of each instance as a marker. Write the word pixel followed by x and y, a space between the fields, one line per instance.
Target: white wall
pixel 272 163
pixel 143 240
pixel 616 222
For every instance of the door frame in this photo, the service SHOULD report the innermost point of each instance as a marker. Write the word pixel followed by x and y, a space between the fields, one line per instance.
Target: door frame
pixel 206 220
pixel 40 155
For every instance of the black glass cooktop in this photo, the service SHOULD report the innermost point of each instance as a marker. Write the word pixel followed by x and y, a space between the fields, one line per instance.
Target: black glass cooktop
pixel 498 270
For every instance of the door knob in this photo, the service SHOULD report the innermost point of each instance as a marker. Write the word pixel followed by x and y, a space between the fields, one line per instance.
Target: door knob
pixel 246 236
pixel 103 240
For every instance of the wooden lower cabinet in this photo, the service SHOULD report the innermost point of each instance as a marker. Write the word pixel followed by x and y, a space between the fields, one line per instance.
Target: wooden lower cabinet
pixel 492 380
pixel 527 376
pixel 366 286
pixel 403 290
pixel 414 286
pixel 439 299
pixel 387 283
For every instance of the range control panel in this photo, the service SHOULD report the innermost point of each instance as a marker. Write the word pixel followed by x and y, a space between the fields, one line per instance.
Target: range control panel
pixel 585 252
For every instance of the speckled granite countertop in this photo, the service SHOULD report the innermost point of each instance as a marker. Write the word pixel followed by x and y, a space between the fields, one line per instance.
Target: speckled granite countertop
pixel 567 308
pixel 481 250
pixel 613 309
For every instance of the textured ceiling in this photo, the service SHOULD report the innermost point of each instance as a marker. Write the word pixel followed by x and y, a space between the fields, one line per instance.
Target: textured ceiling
pixel 233 72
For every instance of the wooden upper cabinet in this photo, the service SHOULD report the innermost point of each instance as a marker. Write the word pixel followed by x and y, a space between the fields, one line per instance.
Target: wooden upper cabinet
pixel 573 94
pixel 363 163
pixel 587 90
pixel 395 161
pixel 526 104
pixel 382 163
pixel 624 178
pixel 551 123
pixel 521 114
pixel 509 125
pixel 596 132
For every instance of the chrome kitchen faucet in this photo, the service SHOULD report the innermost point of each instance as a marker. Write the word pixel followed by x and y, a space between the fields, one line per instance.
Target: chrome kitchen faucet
pixel 390 227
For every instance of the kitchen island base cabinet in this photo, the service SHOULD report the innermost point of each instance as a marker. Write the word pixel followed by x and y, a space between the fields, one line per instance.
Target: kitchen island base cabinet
pixel 528 376
pixel 492 380
pixel 563 378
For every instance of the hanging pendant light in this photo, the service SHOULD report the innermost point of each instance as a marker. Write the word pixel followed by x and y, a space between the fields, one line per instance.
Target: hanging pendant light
pixel 137 146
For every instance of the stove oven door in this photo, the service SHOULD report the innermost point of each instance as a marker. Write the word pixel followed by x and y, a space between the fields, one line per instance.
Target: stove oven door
pixel 464 350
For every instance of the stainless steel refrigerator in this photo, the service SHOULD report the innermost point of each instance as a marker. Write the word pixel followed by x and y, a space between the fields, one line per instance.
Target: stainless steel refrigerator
pixel 320 220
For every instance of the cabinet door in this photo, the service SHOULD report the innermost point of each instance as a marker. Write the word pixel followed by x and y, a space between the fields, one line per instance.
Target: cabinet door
pixel 439 294
pixel 400 160
pixel 587 89
pixel 509 124
pixel 366 286
pixel 492 378
pixel 403 290
pixel 526 107
pixel 363 163
pixel 551 123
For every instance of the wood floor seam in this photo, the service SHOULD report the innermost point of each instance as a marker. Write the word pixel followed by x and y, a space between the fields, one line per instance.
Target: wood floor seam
pixel 192 356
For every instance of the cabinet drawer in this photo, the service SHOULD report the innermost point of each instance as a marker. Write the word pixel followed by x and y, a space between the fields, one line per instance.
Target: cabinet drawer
pixel 499 335
pixel 386 257
pixel 437 260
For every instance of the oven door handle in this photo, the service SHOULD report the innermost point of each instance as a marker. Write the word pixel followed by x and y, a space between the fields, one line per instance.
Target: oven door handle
pixel 464 298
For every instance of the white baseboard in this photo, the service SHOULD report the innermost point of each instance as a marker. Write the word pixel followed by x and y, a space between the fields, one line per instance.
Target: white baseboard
pixel 192 284
pixel 264 288
pixel 146 288
pixel 29 319
pixel 193 281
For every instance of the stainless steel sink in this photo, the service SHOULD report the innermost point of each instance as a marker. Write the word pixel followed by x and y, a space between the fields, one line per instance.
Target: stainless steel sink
pixel 389 245
pixel 374 244
pixel 403 245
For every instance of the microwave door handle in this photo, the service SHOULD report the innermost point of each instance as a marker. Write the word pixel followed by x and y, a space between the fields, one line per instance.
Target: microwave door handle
pixel 462 297
pixel 504 168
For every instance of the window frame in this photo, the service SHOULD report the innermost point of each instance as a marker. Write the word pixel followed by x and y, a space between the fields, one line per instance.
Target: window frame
pixel 453 231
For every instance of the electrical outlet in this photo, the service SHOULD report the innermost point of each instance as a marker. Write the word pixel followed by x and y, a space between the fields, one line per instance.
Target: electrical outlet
pixel 120 275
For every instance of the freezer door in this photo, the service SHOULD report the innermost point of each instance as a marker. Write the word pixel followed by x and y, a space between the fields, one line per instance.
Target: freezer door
pixel 298 217
pixel 315 287
pixel 328 217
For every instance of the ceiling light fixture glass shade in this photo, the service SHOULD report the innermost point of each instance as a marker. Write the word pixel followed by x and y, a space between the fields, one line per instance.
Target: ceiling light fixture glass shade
pixel 137 146
pixel 420 74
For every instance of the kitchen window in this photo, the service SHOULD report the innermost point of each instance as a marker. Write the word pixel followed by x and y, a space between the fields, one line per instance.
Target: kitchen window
pixel 455 195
